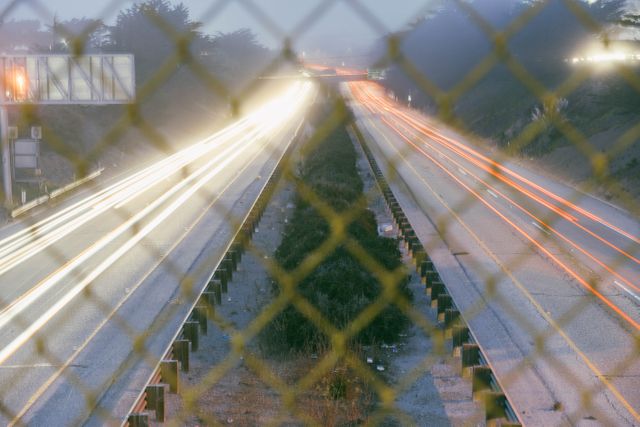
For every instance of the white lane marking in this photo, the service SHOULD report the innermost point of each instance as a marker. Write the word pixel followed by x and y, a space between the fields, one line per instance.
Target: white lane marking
pixel 623 287
pixel 492 193
pixel 462 171
pixel 539 227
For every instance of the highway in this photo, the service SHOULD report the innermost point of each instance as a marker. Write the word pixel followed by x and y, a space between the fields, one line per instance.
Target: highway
pixel 547 278
pixel 88 281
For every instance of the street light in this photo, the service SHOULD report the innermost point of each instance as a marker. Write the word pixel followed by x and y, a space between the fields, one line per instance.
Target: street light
pixel 20 85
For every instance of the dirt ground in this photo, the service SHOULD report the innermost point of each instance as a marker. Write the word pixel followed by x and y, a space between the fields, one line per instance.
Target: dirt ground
pixel 436 395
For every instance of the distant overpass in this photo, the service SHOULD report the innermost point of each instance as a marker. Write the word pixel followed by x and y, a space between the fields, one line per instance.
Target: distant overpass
pixel 326 73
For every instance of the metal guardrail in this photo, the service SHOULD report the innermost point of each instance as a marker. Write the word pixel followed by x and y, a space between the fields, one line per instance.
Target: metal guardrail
pixel 485 385
pixel 186 339
pixel 55 193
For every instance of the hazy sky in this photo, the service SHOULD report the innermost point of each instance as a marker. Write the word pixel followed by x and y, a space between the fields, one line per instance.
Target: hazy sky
pixel 341 24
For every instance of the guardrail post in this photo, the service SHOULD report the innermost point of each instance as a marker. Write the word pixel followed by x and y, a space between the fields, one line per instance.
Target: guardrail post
pixel 227 262
pixel 431 277
pixel 221 275
pixel 138 420
pixel 201 315
pixel 444 302
pixel 169 374
pixel 191 330
pixel 217 290
pixel 247 230
pixel 426 268
pixel 480 378
pixel 403 224
pixel 181 352
pixel 424 265
pixel 233 256
pixel 420 255
pixel 494 404
pixel 237 248
pixel 155 400
pixel 209 298
pixel 451 316
pixel 470 355
pixel 459 335
pixel 412 242
pixel 437 289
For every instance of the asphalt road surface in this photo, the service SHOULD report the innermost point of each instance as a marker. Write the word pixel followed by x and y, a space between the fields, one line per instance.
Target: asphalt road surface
pixel 547 278
pixel 88 281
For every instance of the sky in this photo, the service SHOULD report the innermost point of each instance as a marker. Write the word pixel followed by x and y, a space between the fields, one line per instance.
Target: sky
pixel 338 25
pixel 335 30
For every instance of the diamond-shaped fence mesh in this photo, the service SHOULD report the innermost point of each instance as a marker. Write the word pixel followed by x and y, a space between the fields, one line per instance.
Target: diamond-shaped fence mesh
pixel 250 247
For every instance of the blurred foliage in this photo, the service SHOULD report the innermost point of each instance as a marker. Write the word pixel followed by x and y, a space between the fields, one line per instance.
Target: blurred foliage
pixel 340 287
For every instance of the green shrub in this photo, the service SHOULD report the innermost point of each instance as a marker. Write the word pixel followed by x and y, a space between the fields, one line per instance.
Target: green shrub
pixel 340 287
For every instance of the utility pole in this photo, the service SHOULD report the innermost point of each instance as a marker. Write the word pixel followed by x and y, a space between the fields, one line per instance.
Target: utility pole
pixel 6 154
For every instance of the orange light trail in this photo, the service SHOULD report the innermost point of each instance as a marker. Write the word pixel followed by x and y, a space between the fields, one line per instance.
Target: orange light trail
pixel 369 101
pixel 533 196
pixel 531 215
pixel 453 146
pixel 436 135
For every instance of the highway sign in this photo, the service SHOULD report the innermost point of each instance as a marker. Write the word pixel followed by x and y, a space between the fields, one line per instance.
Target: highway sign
pixel 67 79
pixel 59 80
pixel 26 160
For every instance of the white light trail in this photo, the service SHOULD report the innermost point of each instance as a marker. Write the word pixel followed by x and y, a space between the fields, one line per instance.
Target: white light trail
pixel 24 244
pixel 265 123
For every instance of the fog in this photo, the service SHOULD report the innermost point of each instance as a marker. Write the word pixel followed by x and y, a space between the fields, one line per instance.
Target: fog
pixel 339 27
pixel 317 27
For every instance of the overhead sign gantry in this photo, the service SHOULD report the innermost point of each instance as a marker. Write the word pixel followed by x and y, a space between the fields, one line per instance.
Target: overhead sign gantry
pixel 60 80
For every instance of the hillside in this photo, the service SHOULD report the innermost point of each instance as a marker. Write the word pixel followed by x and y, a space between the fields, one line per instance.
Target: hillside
pixel 447 45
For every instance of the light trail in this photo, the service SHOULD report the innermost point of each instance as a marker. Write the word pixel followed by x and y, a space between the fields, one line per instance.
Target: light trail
pixel 22 245
pixel 533 241
pixel 386 107
pixel 28 298
pixel 435 134
pixel 539 308
pixel 538 222
pixel 60 369
pixel 491 169
pixel 266 123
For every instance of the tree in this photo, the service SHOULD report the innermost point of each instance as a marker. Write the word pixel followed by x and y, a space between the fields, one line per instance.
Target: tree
pixel 239 55
pixel 152 31
pixel 22 34
pixel 78 35
pixel 630 20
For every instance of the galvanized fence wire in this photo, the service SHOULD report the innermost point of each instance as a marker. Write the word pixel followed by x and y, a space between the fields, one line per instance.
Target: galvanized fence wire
pixel 134 118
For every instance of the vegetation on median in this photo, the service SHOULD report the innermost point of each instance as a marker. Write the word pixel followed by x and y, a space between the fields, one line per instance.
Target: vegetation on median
pixel 340 287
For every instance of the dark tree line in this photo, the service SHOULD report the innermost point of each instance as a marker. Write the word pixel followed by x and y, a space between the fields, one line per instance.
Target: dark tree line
pixel 154 31
pixel 448 44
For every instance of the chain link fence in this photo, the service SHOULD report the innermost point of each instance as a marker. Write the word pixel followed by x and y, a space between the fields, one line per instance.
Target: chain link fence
pixel 180 67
